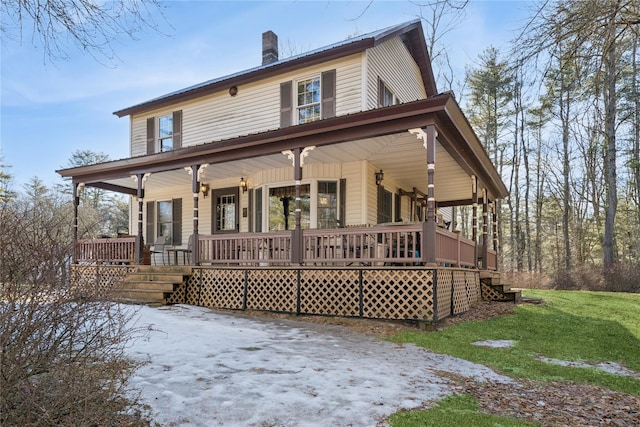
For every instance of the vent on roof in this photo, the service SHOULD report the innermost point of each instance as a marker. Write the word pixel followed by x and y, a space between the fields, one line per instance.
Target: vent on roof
pixel 269 47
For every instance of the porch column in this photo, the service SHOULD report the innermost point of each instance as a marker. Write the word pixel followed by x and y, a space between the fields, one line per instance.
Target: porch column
pixel 494 217
pixel 485 229
pixel 77 190
pixel 139 248
pixel 474 214
pixel 428 242
pixel 196 171
pixel 297 156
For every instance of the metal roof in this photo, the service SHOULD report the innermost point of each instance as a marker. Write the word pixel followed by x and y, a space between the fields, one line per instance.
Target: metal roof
pixel 337 49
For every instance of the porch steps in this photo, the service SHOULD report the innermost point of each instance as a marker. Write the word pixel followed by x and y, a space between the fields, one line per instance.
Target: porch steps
pixel 493 289
pixel 151 284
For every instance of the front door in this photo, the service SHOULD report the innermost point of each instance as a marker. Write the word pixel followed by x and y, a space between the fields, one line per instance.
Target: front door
pixel 226 210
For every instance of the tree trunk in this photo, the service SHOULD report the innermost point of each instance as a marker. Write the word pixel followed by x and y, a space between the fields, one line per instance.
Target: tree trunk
pixel 608 244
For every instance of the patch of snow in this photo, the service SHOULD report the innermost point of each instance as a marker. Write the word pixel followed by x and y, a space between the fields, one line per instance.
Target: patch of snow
pixel 610 367
pixel 495 343
pixel 206 368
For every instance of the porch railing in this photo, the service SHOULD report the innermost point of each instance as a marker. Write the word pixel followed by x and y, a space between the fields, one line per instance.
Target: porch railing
pixel 453 249
pixel 245 248
pixel 364 245
pixel 120 250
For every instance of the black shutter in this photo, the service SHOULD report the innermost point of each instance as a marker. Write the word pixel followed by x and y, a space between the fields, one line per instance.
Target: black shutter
pixel 380 204
pixel 176 238
pixel 328 87
pixel 151 135
pixel 177 129
pixel 380 93
pixel 250 210
pixel 151 235
pixel 343 202
pixel 398 209
pixel 286 101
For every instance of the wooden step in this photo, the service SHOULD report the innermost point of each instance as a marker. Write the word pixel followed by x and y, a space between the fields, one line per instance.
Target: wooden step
pixel 164 269
pixel 146 285
pixel 142 295
pixel 154 277
pixel 151 284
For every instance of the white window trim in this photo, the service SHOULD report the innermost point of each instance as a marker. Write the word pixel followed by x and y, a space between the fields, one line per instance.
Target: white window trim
pixel 157 136
pixel 296 107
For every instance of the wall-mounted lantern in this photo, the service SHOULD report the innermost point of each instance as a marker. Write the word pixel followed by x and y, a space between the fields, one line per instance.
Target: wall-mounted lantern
pixel 204 189
pixel 379 177
pixel 243 185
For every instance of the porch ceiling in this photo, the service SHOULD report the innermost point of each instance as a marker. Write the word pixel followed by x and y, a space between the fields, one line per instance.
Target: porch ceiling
pixel 401 156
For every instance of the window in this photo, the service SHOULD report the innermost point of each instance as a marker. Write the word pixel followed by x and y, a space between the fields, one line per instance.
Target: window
pixel 165 219
pixel 226 215
pixel 308 99
pixel 308 103
pixel 165 133
pixel 327 204
pixel 386 97
pixel 282 205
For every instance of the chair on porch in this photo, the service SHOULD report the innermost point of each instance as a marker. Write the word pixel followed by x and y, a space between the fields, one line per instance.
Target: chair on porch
pixel 158 248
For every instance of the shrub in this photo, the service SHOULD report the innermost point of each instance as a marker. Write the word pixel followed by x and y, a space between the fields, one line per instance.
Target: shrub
pixel 62 356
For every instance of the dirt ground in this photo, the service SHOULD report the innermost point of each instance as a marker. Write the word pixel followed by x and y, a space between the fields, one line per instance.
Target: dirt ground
pixel 560 403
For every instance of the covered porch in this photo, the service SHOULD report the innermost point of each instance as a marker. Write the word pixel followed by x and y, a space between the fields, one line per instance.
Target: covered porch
pixel 392 170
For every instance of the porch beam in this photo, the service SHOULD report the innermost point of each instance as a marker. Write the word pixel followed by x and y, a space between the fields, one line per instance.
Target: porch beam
pixel 113 187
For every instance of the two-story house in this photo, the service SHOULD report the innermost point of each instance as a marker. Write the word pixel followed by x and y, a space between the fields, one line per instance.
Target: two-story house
pixel 345 158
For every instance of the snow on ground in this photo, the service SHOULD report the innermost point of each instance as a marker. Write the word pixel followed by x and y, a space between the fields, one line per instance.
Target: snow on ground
pixel 206 368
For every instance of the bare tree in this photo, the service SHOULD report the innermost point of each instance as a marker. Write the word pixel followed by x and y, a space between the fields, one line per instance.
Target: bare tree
pixel 93 26
pixel 592 31
pixel 62 359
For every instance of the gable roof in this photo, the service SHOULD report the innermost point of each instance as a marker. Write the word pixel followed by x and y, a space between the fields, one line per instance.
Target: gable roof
pixel 410 32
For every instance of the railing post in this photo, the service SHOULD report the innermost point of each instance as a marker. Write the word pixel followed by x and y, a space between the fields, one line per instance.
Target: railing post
pixel 458 245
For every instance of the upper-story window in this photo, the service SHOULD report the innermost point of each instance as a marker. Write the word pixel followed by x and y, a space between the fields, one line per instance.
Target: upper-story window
pixel 308 100
pixel 386 97
pixel 164 133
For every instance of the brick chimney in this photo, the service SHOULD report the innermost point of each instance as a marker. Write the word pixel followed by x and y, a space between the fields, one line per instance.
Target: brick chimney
pixel 269 47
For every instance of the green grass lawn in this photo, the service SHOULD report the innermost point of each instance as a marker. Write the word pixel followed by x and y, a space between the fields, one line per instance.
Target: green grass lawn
pixel 579 326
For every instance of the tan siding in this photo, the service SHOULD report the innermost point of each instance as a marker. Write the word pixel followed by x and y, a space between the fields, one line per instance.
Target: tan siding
pixel 354 212
pixel 392 62
pixel 256 107
pixel 372 194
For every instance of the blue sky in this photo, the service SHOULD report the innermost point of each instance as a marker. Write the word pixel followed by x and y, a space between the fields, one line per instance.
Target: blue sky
pixel 50 109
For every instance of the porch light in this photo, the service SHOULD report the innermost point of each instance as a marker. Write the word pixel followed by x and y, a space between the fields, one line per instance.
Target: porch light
pixel 204 189
pixel 379 177
pixel 243 185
